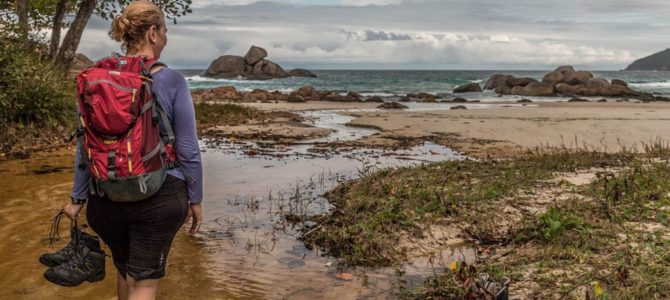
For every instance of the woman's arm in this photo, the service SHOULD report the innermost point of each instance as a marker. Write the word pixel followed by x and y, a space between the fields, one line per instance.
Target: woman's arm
pixel 81 175
pixel 186 140
pixel 188 151
pixel 81 183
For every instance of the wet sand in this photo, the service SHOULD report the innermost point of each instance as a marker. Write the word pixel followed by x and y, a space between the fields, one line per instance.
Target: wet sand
pixel 504 131
pixel 30 200
pixel 479 132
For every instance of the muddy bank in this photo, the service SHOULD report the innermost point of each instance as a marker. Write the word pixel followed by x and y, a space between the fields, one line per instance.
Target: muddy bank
pixel 19 141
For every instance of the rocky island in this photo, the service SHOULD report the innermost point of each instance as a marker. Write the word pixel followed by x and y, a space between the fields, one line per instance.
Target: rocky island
pixel 253 66
pixel 656 62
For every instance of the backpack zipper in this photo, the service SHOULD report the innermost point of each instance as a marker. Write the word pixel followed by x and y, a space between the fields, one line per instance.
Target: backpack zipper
pixel 112 84
pixel 130 163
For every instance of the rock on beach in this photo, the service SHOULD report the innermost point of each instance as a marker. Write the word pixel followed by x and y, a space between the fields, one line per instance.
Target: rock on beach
pixel 254 66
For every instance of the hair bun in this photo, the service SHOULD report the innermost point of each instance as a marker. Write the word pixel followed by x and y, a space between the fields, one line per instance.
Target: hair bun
pixel 131 25
pixel 120 26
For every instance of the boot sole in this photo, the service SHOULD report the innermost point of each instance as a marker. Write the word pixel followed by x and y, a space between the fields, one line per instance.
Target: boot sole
pixel 59 281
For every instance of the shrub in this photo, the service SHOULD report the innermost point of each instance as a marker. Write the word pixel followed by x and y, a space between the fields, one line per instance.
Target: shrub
pixel 32 89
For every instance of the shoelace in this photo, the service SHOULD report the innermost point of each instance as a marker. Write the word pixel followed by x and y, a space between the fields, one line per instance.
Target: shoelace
pixel 55 225
pixel 76 261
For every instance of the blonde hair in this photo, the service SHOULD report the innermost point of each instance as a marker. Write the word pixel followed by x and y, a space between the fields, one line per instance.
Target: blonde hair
pixel 135 20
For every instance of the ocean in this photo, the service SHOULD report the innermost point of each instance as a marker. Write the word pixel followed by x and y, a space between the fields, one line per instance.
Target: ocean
pixel 397 83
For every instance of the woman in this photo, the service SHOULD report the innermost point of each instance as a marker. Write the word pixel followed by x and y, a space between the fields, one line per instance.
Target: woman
pixel 140 234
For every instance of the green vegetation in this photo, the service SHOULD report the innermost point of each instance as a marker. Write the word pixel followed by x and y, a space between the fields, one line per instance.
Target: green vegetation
pixel 554 223
pixel 225 114
pixel 605 239
pixel 372 212
pixel 37 102
pixel 34 91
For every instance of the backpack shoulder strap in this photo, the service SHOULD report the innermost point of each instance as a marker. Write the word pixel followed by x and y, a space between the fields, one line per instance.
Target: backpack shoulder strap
pixel 149 64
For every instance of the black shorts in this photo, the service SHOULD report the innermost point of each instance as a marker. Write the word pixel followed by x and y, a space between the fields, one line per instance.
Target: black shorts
pixel 140 233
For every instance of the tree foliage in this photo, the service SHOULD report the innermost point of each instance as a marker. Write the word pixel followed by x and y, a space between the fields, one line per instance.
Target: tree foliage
pixel 172 9
pixel 43 16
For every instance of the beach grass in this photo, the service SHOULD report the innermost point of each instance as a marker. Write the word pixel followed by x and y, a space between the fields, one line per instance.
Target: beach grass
pixel 606 238
pixel 225 114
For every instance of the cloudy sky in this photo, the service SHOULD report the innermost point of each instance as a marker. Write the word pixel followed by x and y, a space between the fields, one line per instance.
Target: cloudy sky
pixel 413 34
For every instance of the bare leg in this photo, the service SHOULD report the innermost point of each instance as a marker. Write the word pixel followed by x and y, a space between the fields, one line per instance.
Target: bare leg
pixel 121 286
pixel 142 289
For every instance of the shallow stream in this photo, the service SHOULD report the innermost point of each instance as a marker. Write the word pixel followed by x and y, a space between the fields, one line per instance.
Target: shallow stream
pixel 246 249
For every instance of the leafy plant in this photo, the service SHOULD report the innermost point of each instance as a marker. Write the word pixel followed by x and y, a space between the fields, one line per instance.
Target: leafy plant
pixel 554 223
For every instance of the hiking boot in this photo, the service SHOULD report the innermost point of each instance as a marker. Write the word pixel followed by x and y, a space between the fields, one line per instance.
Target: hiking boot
pixel 63 255
pixel 87 264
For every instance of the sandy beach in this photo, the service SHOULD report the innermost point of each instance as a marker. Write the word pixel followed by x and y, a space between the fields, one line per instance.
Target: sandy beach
pixel 483 130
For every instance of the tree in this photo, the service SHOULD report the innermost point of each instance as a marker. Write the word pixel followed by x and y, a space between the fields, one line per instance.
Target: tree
pixel 59 16
pixel 70 44
pixel 107 9
pixel 22 14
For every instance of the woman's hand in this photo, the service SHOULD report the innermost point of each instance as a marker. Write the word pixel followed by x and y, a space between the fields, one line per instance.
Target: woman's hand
pixel 72 210
pixel 195 212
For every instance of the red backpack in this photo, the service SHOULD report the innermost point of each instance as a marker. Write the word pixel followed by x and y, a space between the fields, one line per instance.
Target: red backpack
pixel 120 129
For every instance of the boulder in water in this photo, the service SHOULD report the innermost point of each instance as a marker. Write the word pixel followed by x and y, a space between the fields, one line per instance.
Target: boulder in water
pixel 375 99
pixel 553 78
pixel 266 69
pixel 513 81
pixel 495 81
pixel 578 77
pixel 564 88
pixel 308 92
pixel 467 88
pixel 503 90
pixel 301 73
pixel 535 89
pixel 253 65
pixel 597 83
pixel 255 54
pixel 619 82
pixel 565 70
pixel 226 66
pixel 354 95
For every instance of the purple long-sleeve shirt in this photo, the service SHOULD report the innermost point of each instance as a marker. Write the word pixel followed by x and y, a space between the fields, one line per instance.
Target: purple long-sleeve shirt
pixel 175 98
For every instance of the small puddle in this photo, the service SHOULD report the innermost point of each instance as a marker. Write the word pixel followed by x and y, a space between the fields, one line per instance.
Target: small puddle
pixel 336 120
